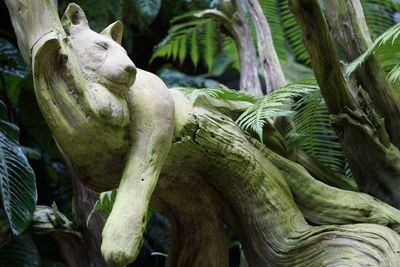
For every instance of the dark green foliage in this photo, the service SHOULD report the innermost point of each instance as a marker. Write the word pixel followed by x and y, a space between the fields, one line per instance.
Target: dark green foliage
pixel 379 15
pixel 20 252
pixel 272 13
pixel 386 48
pixel 17 184
pixel 13 72
pixel 312 131
pixel 175 78
pixel 100 13
pixel 275 104
pixel 11 61
pixel 143 12
pixel 194 37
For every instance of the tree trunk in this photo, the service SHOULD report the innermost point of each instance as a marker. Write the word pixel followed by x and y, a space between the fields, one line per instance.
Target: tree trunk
pixel 274 77
pixel 349 30
pixel 84 200
pixel 373 159
pixel 249 80
pixel 232 16
pixel 204 170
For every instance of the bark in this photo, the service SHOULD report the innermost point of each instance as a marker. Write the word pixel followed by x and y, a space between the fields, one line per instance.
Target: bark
pixel 349 30
pixel 201 170
pixel 262 212
pixel 240 31
pixel 84 200
pixel 72 250
pixel 274 77
pixel 323 173
pixel 247 54
pixel 34 17
pixel 373 159
pixel 233 18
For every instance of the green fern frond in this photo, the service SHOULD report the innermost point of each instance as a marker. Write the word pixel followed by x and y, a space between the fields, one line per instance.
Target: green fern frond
pixel 312 131
pixel 194 49
pixel 199 36
pixel 177 40
pixel 183 16
pixel 293 33
pixel 385 46
pixel 209 42
pixel 379 15
pixel 277 103
pixel 229 46
pixel 221 93
pixel 271 11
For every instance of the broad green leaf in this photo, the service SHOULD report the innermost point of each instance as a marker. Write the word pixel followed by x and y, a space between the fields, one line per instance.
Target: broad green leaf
pixel 104 204
pixel 10 60
pixel 17 185
pixel 20 252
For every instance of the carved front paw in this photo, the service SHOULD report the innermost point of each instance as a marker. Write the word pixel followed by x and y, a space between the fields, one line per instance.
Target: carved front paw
pixel 118 253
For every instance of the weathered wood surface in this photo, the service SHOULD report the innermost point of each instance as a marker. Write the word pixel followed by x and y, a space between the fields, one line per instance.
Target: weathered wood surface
pixel 373 159
pixel 198 167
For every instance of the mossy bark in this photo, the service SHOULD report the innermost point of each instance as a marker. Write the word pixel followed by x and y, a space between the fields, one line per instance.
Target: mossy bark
pixel 373 159
pixel 350 32
pixel 197 167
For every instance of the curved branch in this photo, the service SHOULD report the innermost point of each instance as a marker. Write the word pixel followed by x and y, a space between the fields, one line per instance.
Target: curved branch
pixel 350 31
pixel 273 73
pixel 373 160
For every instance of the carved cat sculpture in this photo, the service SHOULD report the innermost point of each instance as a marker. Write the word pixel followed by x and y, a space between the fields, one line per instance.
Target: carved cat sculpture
pixel 113 122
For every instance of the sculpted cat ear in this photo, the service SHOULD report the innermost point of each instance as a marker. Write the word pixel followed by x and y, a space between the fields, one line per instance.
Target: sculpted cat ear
pixel 74 17
pixel 114 31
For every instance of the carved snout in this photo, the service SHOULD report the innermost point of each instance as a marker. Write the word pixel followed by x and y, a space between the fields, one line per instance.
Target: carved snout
pixel 131 69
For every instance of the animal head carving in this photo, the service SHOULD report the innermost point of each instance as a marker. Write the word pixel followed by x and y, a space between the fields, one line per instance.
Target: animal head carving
pixel 102 58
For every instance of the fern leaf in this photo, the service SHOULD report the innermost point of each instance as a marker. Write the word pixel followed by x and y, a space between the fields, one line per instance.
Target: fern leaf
pixel 277 103
pixel 174 45
pixel 379 15
pixel 293 33
pixel 229 46
pixel 313 132
pixel 271 11
pixel 388 43
pixel 194 49
pixel 209 43
pixel 182 48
